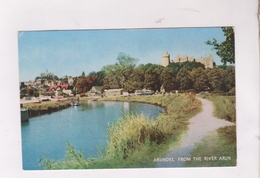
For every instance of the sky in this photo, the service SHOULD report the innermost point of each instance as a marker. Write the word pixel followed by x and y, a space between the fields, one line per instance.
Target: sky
pixel 72 52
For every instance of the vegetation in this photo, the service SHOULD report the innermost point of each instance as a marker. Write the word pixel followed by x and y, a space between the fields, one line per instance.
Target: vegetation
pixel 226 49
pixel 135 140
pixel 224 107
pixel 176 76
pixel 84 84
pixel 220 144
pixel 46 107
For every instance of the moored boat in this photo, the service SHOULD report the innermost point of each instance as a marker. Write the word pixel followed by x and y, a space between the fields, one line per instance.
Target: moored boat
pixel 76 103
pixel 24 114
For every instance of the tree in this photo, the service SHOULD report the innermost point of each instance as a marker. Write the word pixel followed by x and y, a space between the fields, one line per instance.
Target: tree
pixel 226 49
pixel 55 77
pixel 215 78
pixel 229 79
pixel 189 65
pixel 200 79
pixel 167 79
pixel 152 76
pixel 119 73
pixel 176 66
pixel 85 83
pixel 100 77
pixel 83 74
pixel 184 79
pixel 36 78
pixel 136 80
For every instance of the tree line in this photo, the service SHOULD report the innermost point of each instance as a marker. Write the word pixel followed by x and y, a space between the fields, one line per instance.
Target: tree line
pixel 176 76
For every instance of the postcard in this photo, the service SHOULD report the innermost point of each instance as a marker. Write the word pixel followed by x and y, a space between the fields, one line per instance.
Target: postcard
pixel 128 98
pixel 122 89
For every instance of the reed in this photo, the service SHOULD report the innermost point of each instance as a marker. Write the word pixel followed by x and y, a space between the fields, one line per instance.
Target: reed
pixel 135 140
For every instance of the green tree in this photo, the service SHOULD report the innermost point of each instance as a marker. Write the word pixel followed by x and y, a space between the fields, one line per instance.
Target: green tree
pixel 167 79
pixel 36 78
pixel 83 74
pixel 189 65
pixel 55 77
pixel 176 66
pixel 136 80
pixel 200 79
pixel 100 77
pixel 226 49
pixel 229 79
pixel 215 79
pixel 152 76
pixel 184 79
pixel 119 73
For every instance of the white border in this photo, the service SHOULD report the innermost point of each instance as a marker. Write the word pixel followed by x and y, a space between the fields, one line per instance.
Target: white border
pixel 100 14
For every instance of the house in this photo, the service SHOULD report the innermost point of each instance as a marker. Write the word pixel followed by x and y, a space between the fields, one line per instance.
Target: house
pixel 114 92
pixel 95 90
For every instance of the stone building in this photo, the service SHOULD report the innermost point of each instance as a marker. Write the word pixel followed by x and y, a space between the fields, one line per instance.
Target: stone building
pixel 165 59
pixel 47 74
pixel 207 61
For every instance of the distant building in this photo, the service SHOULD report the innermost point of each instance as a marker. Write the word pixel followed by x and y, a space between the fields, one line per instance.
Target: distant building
pixel 95 90
pixel 165 59
pixel 207 61
pixel 114 92
pixel 47 74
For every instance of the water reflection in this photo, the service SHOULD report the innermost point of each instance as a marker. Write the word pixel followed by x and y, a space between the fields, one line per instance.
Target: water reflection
pixel 84 126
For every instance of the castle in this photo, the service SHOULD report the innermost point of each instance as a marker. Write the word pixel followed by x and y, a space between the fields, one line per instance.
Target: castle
pixel 207 61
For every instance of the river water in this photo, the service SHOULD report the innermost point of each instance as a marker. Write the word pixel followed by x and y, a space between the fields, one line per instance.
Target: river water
pixel 84 127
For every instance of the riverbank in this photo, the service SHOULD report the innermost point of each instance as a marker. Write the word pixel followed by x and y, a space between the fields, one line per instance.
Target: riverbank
pixel 37 109
pixel 134 140
pixel 200 126
pixel 220 143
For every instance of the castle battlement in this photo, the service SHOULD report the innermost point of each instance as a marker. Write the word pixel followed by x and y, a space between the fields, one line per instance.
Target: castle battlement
pixel 207 61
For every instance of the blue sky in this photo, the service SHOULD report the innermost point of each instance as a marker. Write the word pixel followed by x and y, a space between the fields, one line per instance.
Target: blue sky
pixel 72 52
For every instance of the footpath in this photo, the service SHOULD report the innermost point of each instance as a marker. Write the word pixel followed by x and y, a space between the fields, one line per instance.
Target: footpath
pixel 200 126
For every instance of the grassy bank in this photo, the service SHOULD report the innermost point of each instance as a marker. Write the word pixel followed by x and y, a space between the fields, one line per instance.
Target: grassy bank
pixel 36 109
pixel 135 140
pixel 224 107
pixel 220 144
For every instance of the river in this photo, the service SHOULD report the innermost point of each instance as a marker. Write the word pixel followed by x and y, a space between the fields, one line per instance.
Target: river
pixel 84 127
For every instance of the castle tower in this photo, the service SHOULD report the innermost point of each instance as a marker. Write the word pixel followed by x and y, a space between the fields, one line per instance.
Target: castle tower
pixel 165 59
pixel 209 61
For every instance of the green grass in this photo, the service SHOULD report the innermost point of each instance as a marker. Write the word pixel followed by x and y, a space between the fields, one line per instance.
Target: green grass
pixel 218 144
pixel 221 142
pixel 135 140
pixel 224 107
pixel 37 109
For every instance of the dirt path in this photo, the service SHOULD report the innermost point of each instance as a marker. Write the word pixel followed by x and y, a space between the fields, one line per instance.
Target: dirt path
pixel 200 126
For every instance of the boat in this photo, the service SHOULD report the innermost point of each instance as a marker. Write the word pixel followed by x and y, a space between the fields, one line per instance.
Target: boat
pixel 76 103
pixel 24 114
